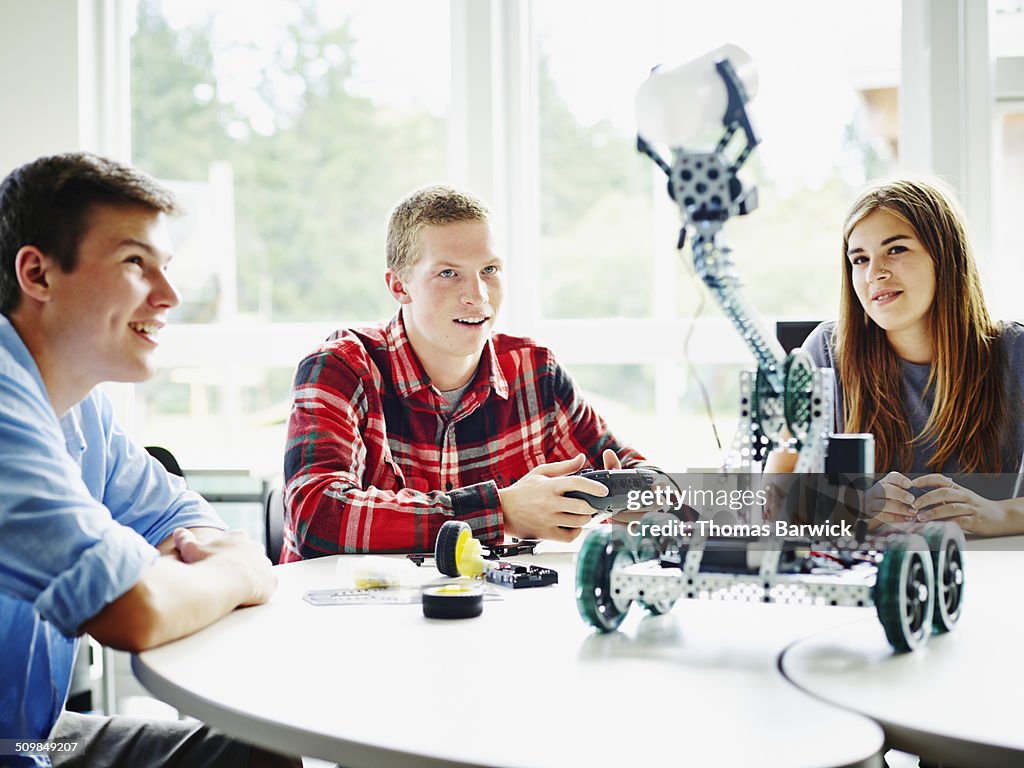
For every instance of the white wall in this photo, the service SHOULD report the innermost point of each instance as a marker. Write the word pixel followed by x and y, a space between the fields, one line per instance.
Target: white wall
pixel 39 87
pixel 63 79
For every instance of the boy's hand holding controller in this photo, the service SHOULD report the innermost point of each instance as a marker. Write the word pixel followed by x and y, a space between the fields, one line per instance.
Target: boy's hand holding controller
pixel 539 504
pixel 619 484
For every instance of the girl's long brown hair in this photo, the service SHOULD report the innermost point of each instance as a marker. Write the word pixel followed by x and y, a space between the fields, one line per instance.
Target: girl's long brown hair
pixel 967 364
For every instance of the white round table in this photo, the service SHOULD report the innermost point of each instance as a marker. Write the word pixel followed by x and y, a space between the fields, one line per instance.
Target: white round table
pixel 957 699
pixel 526 684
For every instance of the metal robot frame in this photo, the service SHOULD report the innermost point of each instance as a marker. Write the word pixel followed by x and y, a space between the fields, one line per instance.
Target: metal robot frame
pixel 915 584
pixel 785 390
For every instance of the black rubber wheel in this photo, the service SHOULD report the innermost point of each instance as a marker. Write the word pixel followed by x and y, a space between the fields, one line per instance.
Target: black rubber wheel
pixel 444 548
pixel 605 549
pixel 946 541
pixel 904 592
pixel 453 602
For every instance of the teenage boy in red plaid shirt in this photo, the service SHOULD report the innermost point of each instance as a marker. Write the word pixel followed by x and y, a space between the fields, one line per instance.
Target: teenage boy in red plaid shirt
pixel 397 428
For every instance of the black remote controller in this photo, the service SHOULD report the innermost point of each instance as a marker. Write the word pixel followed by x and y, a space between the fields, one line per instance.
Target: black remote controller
pixel 619 483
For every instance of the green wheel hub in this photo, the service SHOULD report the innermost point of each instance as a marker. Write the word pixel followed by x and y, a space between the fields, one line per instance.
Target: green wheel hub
pixel 767 408
pixel 946 541
pixel 798 401
pixel 904 592
pixel 603 551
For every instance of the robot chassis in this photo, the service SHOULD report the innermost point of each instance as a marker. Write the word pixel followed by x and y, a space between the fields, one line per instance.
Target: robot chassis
pixel 915 581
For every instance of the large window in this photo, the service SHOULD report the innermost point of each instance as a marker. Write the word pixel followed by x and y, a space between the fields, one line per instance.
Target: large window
pixel 1008 239
pixel 289 132
pixel 292 131
pixel 826 110
pixel 827 113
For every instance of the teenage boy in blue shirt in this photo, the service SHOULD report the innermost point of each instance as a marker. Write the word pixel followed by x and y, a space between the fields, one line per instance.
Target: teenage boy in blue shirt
pixel 95 536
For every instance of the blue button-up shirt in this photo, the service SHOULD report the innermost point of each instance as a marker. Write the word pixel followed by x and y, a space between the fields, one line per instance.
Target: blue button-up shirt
pixel 81 510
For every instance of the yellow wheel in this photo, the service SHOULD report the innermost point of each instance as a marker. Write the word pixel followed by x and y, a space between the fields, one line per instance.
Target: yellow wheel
pixel 446 548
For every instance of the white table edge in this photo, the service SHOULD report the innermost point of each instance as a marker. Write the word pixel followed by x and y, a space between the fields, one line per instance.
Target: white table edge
pixel 272 735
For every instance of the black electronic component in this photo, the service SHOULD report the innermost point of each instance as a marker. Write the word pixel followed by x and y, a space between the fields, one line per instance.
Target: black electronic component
pixel 517 576
pixel 514 549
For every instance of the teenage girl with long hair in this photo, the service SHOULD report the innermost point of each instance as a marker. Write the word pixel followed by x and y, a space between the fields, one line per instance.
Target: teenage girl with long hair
pixel 920 364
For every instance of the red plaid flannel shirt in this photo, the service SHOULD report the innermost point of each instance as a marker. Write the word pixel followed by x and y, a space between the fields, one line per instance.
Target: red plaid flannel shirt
pixel 374 464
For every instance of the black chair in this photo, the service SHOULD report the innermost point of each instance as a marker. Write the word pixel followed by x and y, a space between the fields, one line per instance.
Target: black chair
pixel 166 458
pixel 273 524
pixel 792 333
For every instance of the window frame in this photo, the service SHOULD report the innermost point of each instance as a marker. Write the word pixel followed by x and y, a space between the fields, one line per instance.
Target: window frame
pixel 493 149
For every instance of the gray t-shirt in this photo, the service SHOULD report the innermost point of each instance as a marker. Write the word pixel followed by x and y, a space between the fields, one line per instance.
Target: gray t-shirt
pixel 454 397
pixel 918 403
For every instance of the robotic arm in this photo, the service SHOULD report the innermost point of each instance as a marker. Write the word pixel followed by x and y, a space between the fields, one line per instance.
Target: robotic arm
pixel 784 390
